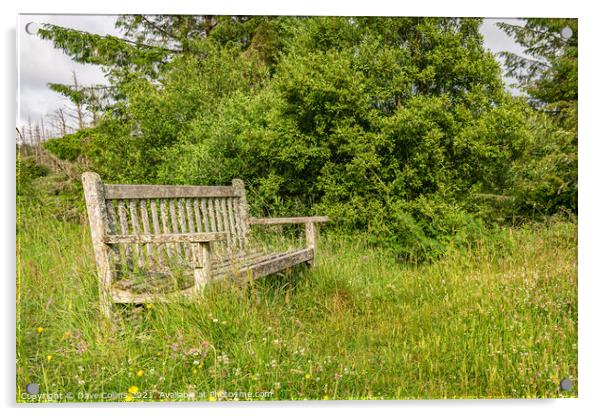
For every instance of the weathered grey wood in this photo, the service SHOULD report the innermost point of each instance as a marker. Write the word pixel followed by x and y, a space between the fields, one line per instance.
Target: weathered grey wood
pixel 310 234
pixel 249 268
pixel 97 216
pixel 289 220
pixel 191 225
pixel 206 226
pixel 218 214
pixel 202 267
pixel 243 209
pixel 157 230
pixel 174 229
pixel 213 226
pixel 311 237
pixel 203 229
pixel 163 238
pixel 183 227
pixel 231 265
pixel 197 216
pixel 239 226
pixel 166 191
pixel 124 229
pixel 146 230
pixel 226 220
pixel 111 216
pixel 166 228
pixel 234 228
pixel 118 252
pixel 280 263
pixel 124 296
pixel 136 230
pixel 153 283
pixel 240 259
pixel 211 215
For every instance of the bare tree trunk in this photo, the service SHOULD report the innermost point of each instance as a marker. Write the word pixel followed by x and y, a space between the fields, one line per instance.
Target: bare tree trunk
pixel 43 129
pixel 78 105
pixel 61 121
pixel 29 131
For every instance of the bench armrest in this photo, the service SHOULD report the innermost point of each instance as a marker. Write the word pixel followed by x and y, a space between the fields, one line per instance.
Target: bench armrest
pixel 287 220
pixel 164 238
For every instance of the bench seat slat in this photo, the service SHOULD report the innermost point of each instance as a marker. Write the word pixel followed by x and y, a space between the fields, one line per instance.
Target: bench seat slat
pixel 254 267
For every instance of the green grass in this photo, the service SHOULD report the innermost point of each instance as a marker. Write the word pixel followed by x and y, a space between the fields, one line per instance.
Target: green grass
pixel 498 320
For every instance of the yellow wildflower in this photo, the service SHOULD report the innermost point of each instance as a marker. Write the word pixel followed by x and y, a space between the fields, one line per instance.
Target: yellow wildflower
pixel 212 398
pixel 49 357
pixel 133 389
pixel 140 373
pixel 326 397
pixel 307 376
pixel 40 329
pixel 149 306
pixel 128 398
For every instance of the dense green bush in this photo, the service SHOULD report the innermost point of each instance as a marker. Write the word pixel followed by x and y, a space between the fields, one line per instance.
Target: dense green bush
pixel 26 172
pixel 544 179
pixel 71 146
pixel 392 126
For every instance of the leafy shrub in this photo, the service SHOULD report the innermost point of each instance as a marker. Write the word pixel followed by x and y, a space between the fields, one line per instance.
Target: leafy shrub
pixel 71 146
pixel 392 126
pixel 27 170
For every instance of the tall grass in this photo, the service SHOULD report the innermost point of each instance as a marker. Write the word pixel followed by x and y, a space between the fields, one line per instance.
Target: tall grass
pixel 496 320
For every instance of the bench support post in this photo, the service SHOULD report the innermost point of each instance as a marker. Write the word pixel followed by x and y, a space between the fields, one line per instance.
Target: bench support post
pixel 202 267
pixel 311 238
pixel 94 193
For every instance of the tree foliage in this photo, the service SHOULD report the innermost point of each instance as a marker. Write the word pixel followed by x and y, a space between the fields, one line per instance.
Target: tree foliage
pixel 545 178
pixel 393 126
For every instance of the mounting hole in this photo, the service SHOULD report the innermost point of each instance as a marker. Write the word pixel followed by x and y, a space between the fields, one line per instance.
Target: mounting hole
pixel 32 388
pixel 566 32
pixel 31 28
pixel 566 384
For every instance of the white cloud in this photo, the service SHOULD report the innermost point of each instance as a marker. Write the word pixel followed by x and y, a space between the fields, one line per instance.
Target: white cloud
pixel 40 63
pixel 496 40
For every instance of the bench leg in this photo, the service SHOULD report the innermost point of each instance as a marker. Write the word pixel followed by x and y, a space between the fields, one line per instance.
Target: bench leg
pixel 311 238
pixel 202 270
pixel 106 303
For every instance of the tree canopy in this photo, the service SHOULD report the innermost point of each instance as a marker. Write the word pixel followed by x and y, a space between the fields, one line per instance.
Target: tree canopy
pixel 393 126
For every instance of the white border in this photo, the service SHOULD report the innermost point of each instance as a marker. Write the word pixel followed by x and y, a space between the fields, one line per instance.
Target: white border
pixel 590 278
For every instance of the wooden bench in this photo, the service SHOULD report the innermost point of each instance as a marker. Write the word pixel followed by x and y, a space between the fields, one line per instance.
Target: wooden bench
pixel 156 242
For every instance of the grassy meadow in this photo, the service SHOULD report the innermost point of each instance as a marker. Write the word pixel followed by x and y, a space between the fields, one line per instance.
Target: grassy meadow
pixel 496 320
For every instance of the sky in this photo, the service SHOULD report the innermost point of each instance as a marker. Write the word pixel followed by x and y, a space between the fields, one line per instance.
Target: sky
pixel 39 63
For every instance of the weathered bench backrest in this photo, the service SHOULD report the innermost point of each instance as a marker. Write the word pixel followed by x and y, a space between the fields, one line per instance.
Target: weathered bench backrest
pixel 174 209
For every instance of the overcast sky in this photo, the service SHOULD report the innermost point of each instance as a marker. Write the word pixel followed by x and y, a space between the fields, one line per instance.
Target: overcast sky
pixel 40 64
